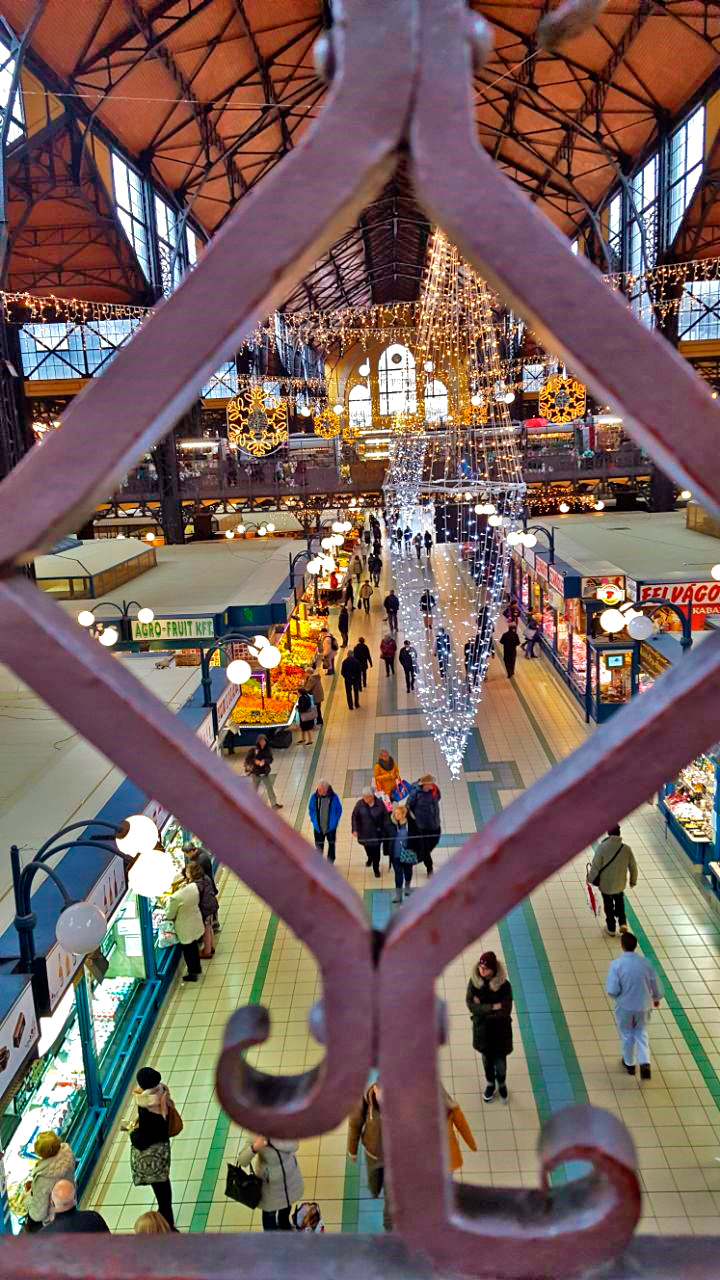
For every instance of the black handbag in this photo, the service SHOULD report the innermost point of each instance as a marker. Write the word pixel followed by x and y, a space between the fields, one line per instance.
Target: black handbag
pixel 243 1185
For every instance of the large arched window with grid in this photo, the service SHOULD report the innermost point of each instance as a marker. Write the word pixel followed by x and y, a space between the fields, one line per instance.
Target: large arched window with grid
pixel 360 406
pixel 396 380
pixel 436 401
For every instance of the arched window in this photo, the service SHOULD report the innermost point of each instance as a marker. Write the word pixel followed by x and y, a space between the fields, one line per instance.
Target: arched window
pixel 396 380
pixel 436 400
pixel 359 406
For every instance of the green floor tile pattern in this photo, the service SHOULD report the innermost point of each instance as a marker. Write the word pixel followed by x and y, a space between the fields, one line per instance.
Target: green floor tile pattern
pixel 675 1005
pixel 216 1154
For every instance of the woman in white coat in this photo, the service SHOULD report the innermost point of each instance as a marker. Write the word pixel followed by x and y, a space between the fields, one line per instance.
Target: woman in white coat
pixel 276 1163
pixel 183 908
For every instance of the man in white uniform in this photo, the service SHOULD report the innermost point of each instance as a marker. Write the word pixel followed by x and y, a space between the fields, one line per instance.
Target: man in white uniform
pixel 633 984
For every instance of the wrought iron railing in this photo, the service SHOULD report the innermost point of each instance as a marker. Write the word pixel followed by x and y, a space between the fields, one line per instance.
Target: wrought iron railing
pixel 401 77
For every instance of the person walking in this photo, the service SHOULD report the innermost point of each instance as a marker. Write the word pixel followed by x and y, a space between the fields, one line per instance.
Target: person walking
pixel 344 625
pixel 509 642
pixel 351 672
pixel 150 1139
pixel 183 908
pixel 275 1163
pixel 368 827
pixel 357 567
pixel 313 685
pixel 427 604
pixel 442 649
pixel 388 649
pixel 613 863
pixel 424 810
pixel 306 716
pixel 365 1126
pixel 407 662
pixel 363 655
pixel 258 762
pixel 386 774
pixel 364 595
pixel 489 998
pixel 391 605
pixel 349 594
pixel 428 543
pixel 55 1163
pixel 325 811
pixel 208 904
pixel 633 984
pixel 67 1217
pixel 403 857
pixel 531 636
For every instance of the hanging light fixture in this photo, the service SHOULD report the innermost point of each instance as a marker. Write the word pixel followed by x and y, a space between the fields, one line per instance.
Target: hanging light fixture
pixel 611 620
pixel 139 834
pixel 238 671
pixel 109 636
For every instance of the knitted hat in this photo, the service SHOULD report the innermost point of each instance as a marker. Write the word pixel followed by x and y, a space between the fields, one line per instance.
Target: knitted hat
pixel 148 1078
pixel 488 960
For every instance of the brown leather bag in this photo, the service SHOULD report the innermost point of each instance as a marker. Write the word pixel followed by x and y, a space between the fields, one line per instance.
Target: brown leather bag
pixel 175 1124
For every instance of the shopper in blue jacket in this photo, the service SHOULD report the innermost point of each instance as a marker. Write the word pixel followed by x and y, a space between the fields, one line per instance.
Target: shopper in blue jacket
pixel 325 812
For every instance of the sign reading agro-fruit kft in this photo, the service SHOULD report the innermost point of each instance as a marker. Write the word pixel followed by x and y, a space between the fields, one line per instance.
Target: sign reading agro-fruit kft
pixel 174 629
pixel 704 597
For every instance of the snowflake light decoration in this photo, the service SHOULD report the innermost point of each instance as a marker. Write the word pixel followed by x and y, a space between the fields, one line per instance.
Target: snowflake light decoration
pixel 562 399
pixel 254 425
pixel 327 425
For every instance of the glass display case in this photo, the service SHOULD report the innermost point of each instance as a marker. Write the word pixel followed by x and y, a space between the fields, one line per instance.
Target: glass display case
pixel 690 805
pixel 613 678
pixel 50 1096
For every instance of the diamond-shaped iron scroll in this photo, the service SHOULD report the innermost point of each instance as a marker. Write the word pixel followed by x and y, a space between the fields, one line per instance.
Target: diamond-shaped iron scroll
pixel 402 70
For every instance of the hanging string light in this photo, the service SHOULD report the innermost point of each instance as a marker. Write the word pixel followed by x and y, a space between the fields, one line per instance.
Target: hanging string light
pixel 463 486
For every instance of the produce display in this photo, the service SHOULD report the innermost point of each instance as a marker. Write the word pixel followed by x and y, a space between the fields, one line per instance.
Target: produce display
pixel 298 647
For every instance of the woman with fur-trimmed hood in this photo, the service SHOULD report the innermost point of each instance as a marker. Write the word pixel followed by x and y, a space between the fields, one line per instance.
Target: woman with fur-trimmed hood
pixel 489 998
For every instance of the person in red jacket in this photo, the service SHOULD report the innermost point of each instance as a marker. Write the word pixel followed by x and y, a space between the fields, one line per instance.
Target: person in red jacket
pixel 388 649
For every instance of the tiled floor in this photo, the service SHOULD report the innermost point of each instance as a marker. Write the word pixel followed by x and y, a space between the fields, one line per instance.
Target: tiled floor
pixel 566 1047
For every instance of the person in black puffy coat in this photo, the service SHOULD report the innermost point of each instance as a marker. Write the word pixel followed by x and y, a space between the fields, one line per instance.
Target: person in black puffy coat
pixel 489 998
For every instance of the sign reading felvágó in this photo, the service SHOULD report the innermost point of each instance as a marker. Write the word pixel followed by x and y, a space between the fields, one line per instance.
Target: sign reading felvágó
pixel 703 596
pixel 174 629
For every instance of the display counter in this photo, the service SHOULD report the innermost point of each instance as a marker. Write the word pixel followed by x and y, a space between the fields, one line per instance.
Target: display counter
pixel 690 806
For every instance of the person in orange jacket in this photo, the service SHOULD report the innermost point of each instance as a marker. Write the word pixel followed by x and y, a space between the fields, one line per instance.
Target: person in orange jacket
pixel 386 774
pixel 456 1121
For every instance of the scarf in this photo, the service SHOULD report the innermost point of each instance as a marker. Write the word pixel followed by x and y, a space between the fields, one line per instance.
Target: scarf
pixel 157 1099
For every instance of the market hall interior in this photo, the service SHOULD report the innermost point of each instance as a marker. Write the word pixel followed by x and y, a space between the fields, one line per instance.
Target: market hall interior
pixel 359 783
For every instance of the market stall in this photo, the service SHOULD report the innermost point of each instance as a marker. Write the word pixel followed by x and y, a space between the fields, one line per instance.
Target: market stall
pixel 690 806
pixel 268 700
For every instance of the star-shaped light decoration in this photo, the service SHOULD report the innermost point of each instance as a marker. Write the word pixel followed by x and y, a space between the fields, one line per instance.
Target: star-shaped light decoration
pixel 327 424
pixel 254 425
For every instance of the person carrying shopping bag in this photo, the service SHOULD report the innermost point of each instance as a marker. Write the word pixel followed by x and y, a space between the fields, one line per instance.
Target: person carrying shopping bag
pixel 275 1163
